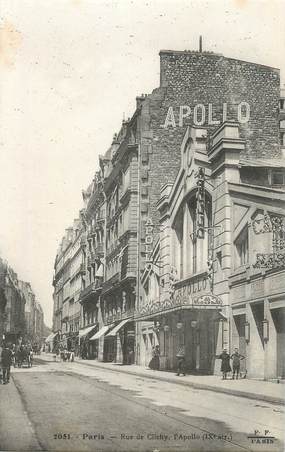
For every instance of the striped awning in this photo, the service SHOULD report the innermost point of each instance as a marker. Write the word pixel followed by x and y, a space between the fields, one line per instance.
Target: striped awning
pixel 101 332
pixel 117 328
pixel 87 330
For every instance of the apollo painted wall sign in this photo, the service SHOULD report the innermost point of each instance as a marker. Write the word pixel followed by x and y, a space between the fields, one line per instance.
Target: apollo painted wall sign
pixel 205 114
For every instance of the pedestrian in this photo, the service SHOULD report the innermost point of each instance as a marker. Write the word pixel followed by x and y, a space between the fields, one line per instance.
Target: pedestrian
pixel 72 355
pixel 6 360
pixel 154 362
pixel 130 355
pixel 236 357
pixel 225 365
pixel 13 350
pixel 181 360
pixel 65 354
pixel 1 376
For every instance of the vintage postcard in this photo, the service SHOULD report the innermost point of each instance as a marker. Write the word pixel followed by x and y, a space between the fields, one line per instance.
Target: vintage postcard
pixel 142 234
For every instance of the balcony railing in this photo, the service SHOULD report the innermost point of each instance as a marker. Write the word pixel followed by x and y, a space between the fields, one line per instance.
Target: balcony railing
pixel 92 288
pixel 120 316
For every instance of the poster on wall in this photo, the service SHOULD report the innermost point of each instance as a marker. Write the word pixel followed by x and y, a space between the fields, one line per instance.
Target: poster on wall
pixel 142 234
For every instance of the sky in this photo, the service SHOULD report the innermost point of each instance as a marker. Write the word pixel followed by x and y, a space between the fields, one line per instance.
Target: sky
pixel 69 73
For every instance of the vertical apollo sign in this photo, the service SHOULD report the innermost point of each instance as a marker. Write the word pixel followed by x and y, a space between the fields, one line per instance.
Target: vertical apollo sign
pixel 148 240
pixel 200 204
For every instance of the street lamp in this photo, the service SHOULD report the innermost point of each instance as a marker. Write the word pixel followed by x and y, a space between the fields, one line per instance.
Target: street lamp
pixel 265 330
pixel 247 331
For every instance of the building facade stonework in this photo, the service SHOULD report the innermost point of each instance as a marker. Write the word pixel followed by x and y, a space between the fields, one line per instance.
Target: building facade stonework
pixel 171 257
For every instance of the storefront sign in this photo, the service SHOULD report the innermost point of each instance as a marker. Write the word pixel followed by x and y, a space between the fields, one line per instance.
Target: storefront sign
pixel 190 287
pixel 202 115
pixel 207 300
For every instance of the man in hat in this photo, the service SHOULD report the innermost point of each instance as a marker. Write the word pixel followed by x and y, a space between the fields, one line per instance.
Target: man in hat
pixel 6 359
pixel 236 357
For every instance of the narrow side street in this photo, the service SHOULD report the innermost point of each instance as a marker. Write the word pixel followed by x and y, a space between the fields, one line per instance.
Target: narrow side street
pixel 71 406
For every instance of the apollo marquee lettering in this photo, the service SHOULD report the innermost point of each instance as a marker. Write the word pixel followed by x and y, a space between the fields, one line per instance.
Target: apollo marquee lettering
pixel 204 115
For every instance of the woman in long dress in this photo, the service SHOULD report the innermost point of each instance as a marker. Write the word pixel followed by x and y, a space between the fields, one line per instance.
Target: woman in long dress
pixel 154 362
pixel 225 364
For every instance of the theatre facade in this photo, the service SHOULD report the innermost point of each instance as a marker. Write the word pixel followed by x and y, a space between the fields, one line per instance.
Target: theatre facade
pixel 209 281
pixel 177 254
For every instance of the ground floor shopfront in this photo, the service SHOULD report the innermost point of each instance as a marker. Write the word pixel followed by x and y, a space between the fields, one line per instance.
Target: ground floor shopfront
pixel 197 333
pixel 88 349
pixel 258 330
pixel 119 343
pixel 258 323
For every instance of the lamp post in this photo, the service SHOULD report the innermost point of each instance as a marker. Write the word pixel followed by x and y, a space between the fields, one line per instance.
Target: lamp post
pixel 247 332
pixel 265 330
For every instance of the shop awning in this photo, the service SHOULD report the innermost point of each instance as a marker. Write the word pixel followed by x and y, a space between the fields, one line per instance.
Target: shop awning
pixel 87 330
pixel 51 337
pixel 101 332
pixel 117 328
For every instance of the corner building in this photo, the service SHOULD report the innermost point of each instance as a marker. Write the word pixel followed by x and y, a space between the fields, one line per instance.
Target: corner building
pixel 222 115
pixel 200 160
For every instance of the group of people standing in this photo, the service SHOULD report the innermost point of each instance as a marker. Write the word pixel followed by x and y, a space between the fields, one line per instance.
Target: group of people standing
pixel 236 358
pixel 65 355
pixel 225 358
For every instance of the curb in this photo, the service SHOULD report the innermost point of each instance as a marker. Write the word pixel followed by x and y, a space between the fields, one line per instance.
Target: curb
pixel 235 392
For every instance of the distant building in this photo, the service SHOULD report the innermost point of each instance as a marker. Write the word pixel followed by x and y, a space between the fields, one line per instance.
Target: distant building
pixel 12 316
pixel 30 309
pixel 39 323
pixel 93 243
pixel 67 287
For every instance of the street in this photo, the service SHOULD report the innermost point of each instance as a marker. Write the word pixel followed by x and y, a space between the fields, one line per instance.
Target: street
pixel 72 406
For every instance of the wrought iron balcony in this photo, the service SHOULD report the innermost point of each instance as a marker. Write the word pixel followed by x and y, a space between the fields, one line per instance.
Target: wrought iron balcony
pixel 120 316
pixel 93 288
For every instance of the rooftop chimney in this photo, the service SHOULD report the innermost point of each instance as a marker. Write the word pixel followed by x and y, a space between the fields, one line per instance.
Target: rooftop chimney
pixel 200 44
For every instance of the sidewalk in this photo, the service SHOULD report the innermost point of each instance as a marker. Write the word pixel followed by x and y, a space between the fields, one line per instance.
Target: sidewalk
pixel 253 389
pixel 15 426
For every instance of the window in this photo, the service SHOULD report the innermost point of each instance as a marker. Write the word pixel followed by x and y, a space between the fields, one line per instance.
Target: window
pixel 241 243
pixel 278 177
pixel 192 248
pixel 126 179
pixel 282 138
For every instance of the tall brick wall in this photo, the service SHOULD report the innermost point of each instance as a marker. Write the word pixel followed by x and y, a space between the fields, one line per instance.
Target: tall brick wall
pixel 192 78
